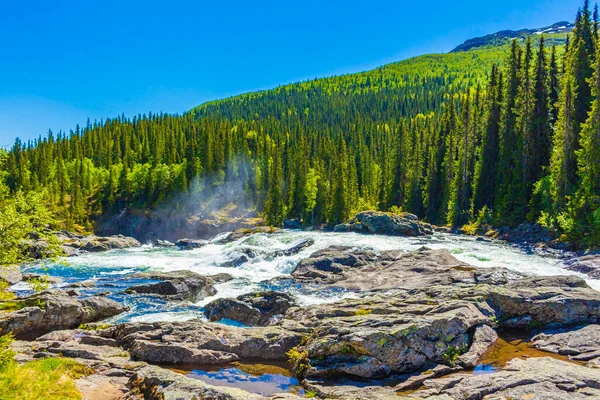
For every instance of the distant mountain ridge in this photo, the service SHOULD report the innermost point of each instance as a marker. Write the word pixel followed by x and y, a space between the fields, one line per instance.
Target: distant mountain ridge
pixel 501 37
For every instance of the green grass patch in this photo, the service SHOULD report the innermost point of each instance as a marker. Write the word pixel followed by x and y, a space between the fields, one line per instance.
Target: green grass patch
pixel 93 327
pixel 363 311
pixel 48 378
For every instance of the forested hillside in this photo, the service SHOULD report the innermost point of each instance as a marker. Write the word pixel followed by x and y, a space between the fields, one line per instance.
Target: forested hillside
pixel 498 134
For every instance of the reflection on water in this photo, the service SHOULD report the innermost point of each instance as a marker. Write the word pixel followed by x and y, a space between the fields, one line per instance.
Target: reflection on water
pixel 263 379
pixel 509 346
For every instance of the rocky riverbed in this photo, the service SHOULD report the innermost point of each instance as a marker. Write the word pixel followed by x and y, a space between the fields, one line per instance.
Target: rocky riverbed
pixel 353 316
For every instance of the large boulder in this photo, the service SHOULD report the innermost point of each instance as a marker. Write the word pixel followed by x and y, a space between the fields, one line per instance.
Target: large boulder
pixel 256 309
pixel 53 310
pixel 190 244
pixel 385 223
pixel 388 333
pixel 180 285
pixel 198 342
pixel 295 248
pixel 360 269
pixel 245 232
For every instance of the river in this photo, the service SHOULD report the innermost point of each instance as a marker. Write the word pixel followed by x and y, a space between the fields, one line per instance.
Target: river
pixel 111 270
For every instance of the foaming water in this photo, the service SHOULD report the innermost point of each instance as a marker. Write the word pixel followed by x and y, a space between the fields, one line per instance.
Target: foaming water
pixel 254 264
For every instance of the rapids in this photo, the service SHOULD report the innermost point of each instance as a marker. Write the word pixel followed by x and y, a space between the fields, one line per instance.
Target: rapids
pixel 110 270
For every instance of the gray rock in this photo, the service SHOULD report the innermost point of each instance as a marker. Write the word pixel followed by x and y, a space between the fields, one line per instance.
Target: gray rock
pixel 180 285
pixel 190 244
pixel 535 378
pixel 382 223
pixel 55 310
pixel 11 274
pixel 208 343
pixel 245 232
pixel 588 264
pixel 257 309
pixel 368 270
pixel 582 343
pixel 162 243
pixel 296 248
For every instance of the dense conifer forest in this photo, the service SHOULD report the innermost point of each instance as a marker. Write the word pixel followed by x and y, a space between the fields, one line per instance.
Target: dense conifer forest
pixel 496 135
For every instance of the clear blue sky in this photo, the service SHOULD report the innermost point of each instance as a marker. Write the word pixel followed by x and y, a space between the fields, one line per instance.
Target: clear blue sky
pixel 64 61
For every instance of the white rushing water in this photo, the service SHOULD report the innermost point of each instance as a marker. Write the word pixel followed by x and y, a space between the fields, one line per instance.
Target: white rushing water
pixel 216 258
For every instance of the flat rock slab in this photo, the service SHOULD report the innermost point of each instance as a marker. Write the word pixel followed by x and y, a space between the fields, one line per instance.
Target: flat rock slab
pixel 55 310
pixel 198 342
pixel 535 378
pixel 361 270
pixel 582 344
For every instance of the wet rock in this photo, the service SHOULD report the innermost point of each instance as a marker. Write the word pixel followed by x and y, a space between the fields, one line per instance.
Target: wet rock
pixel 296 248
pixel 162 243
pixel 535 378
pixel 54 310
pixel 180 285
pixel 292 224
pixel 190 244
pixel 244 232
pixel 202 342
pixel 90 283
pixel 256 309
pixel 582 343
pixel 382 223
pixel 368 270
pixel 73 244
pixel 588 264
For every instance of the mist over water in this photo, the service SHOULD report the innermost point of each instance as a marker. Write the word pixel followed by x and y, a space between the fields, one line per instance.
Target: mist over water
pixel 111 269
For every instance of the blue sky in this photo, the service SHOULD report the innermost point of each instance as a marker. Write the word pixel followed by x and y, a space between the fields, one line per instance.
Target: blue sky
pixel 64 61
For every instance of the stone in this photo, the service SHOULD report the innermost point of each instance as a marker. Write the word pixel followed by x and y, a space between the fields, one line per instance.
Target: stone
pixel 195 341
pixel 245 232
pixel 256 309
pixel 53 310
pixel 11 274
pixel 384 223
pixel 190 244
pixel 534 378
pixel 587 264
pixel 581 343
pixel 483 338
pixel 180 285
pixel 96 244
pixel 360 269
pixel 162 243
pixel 296 248
pixel 373 337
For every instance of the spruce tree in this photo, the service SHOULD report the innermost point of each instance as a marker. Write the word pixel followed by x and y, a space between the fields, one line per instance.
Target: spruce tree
pixel 539 143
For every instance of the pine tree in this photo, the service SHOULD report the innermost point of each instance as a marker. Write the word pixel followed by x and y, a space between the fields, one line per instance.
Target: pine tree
pixel 486 174
pixel 539 143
